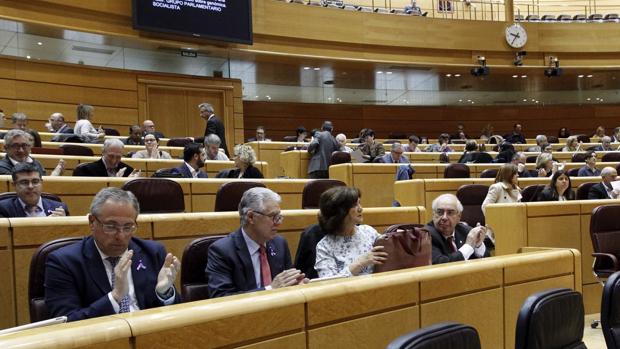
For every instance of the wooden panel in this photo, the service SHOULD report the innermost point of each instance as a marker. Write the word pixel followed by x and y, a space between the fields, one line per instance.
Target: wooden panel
pixel 103 115
pixel 375 331
pixel 488 319
pixel 165 108
pixel 557 231
pixel 293 341
pixel 75 75
pixel 509 226
pixel 592 294
pixel 72 94
pixel 515 295
pixel 7 294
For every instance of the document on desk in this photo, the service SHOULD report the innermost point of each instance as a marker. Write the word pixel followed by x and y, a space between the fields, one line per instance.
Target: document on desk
pixel 615 185
pixel 357 156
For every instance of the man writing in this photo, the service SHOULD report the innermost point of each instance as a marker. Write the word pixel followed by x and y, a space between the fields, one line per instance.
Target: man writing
pixel 110 271
pixel 253 258
pixel 453 241
pixel 28 185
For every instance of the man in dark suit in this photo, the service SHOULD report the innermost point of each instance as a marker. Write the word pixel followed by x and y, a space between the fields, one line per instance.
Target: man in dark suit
pixel 62 131
pixel 214 124
pixel 17 144
pixel 194 157
pixel 453 241
pixel 110 164
pixel 110 271
pixel 148 126
pixel 321 147
pixel 604 190
pixel 516 137
pixel 253 258
pixel 28 202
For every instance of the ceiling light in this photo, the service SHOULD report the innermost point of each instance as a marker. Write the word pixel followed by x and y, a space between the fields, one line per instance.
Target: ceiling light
pixel 515 76
pixel 589 76
pixel 389 72
pixel 457 75
pixel 601 99
pixel 460 100
pixel 39 43
pixel 448 75
pixel 532 100
pixel 525 99
pixel 588 99
pixel 379 72
pixel 28 57
pixel 523 76
pixel 317 68
pixel 306 68
pixel 580 76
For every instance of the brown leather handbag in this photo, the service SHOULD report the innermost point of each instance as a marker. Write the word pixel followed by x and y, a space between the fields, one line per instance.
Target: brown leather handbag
pixel 407 245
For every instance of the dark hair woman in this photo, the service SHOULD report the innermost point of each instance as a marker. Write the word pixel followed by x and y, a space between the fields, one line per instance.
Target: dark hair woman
pixel 347 249
pixel 559 189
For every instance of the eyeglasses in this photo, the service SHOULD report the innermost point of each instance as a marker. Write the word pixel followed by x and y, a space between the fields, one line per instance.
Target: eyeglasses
pixel 16 146
pixel 440 212
pixel 276 217
pixel 111 228
pixel 24 183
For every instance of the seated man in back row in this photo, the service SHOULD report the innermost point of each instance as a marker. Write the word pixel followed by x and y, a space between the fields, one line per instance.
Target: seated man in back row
pixel 110 271
pixel 28 185
pixel 454 241
pixel 17 144
pixel 110 164
pixel 253 258
pixel 194 157
pixel 605 190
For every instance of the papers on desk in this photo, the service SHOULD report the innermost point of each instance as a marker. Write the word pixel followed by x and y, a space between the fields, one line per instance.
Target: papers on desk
pixel 54 321
pixel 615 185
pixel 357 156
pixel 327 278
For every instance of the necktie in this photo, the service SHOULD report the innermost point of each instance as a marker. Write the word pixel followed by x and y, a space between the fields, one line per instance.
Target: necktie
pixel 265 270
pixel 124 303
pixel 451 244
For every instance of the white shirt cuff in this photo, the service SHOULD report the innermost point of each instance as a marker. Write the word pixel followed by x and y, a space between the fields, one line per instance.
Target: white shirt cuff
pixel 115 305
pixel 169 300
pixel 479 251
pixel 268 287
pixel 467 251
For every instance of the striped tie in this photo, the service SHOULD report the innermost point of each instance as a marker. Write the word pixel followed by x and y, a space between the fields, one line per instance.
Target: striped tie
pixel 124 303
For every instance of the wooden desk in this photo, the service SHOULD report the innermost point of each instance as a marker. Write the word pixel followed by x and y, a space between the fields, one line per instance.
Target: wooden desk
pixel 549 224
pixel 174 231
pixel 357 312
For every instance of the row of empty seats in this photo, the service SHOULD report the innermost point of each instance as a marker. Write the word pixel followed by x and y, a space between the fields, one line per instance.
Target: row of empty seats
pixel 581 18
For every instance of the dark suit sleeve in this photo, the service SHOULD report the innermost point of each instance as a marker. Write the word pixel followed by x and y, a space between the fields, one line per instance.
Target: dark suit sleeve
pixel 211 127
pixel 62 297
pixel 440 257
pixel 219 272
pixel 595 193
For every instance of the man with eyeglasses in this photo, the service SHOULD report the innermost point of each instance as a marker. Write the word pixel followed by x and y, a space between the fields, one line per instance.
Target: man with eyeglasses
pixel 454 241
pixel 254 257
pixel 17 144
pixel 110 271
pixel 28 202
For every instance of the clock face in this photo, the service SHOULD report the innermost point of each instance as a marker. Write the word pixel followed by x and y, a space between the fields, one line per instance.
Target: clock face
pixel 516 36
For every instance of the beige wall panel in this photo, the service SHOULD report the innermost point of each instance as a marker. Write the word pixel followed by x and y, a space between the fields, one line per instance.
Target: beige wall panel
pixel 510 226
pixel 9 106
pixel 297 340
pixel 238 105
pixel 165 108
pixel 586 249
pixel 7 89
pixel 227 330
pixel 75 75
pixel 534 266
pixel 375 331
pixel 72 94
pixel 514 296
pixel 592 295
pixel 22 266
pixel 103 115
pixel 7 68
pixel 487 319
pixel 195 124
pixel 556 231
pixel 446 285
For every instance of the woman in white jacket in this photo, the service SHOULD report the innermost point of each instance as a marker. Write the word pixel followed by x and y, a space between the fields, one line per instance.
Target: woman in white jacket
pixel 505 189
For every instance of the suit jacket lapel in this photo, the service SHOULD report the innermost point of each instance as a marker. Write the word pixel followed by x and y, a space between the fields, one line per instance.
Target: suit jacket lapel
pixel 273 258
pixel 95 267
pixel 19 210
pixel 139 275
pixel 244 256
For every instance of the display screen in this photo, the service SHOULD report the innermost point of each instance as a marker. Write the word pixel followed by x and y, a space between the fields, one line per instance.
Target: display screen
pixel 225 20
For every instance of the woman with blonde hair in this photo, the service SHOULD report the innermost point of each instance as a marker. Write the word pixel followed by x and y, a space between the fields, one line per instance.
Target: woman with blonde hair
pixel 506 188
pixel 244 158
pixel 571 144
pixel 84 128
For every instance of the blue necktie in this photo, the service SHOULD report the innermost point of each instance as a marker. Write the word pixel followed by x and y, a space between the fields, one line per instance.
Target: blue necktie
pixel 124 303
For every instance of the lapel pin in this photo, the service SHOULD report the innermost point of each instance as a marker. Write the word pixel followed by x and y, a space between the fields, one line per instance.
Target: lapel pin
pixel 140 266
pixel 271 251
